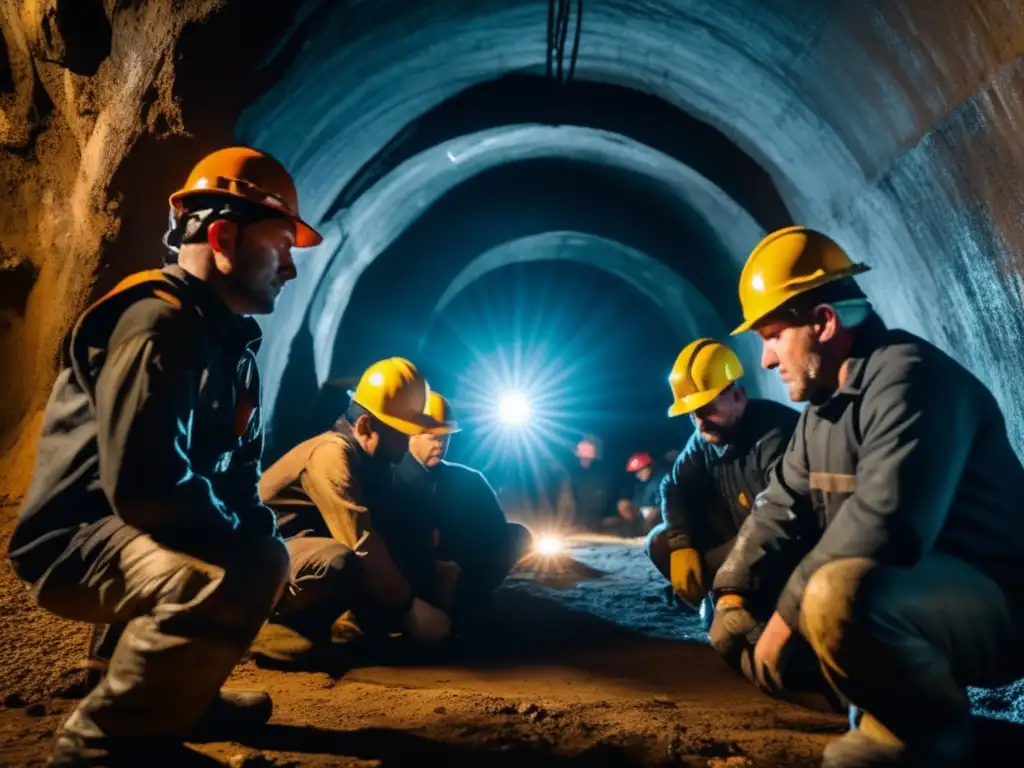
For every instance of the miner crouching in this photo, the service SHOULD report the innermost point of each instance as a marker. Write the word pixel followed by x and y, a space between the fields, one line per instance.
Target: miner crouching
pixel 352 578
pixel 144 515
pixel 892 522
pixel 712 484
pixel 474 545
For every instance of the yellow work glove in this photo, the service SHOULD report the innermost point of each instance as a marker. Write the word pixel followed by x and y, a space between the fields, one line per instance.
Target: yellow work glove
pixel 687 576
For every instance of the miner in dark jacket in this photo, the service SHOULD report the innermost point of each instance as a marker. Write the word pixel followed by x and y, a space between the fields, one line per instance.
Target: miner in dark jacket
pixel 143 512
pixel 712 485
pixel 475 546
pixel 893 519
pixel 588 494
pixel 640 505
pixel 354 571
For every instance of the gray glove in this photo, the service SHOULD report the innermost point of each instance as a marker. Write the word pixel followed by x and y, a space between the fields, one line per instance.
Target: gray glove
pixel 425 624
pixel 732 630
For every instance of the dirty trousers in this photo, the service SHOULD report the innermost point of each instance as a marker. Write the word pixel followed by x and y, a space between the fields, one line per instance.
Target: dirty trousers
pixel 904 643
pixel 188 622
pixel 322 584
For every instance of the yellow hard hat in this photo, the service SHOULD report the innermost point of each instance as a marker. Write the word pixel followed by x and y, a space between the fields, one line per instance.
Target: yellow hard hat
pixel 252 175
pixel 440 410
pixel 701 373
pixel 785 264
pixel 395 392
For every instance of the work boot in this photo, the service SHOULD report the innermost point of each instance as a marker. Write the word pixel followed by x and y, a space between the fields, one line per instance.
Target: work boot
pixel 286 649
pixel 232 712
pixel 72 751
pixel 870 745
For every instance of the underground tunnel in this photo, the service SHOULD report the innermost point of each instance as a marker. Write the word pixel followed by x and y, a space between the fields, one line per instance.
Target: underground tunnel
pixel 515 194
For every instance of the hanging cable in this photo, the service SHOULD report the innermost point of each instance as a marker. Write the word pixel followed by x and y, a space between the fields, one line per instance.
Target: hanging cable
pixel 551 37
pixel 576 39
pixel 563 28
pixel 559 13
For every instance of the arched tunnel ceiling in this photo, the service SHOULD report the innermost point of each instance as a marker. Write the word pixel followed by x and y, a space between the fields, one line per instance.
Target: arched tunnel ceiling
pixel 686 311
pixel 520 99
pixel 386 213
pixel 868 118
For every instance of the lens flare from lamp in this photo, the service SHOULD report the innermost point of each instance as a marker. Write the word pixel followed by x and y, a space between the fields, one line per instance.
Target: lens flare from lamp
pixel 514 408
pixel 549 545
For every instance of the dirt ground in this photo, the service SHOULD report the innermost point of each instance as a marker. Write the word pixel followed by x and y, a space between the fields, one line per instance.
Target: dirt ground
pixel 589 668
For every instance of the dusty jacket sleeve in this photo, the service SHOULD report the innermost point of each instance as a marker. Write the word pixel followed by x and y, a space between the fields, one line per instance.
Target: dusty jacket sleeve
pixel 337 494
pixel 770 539
pixel 684 494
pixel 145 396
pixel 916 437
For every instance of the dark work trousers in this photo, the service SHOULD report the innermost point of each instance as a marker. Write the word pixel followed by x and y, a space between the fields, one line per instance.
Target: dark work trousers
pixel 182 623
pixel 320 587
pixel 903 644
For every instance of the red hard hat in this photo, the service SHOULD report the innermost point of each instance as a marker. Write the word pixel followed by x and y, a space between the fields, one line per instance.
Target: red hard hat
pixel 638 461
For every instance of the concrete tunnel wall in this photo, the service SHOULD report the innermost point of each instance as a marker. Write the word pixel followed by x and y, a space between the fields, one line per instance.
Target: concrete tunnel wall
pixel 894 125
pixel 886 125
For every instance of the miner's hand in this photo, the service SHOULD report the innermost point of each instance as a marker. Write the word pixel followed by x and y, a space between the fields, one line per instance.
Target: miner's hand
pixel 687 576
pixel 732 626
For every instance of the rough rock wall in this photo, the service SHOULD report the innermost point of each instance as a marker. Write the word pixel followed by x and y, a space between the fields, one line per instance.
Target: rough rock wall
pixel 86 79
pixel 100 117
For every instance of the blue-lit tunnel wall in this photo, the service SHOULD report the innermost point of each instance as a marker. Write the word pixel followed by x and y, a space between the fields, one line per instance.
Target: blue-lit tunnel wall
pixel 430 147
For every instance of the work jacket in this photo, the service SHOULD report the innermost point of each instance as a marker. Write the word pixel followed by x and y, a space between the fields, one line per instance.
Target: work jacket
pixel 329 486
pixel 587 495
pixel 646 493
pixel 156 418
pixel 711 489
pixel 910 455
pixel 458 504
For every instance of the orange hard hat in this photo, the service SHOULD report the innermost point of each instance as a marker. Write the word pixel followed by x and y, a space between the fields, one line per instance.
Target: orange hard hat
pixel 247 174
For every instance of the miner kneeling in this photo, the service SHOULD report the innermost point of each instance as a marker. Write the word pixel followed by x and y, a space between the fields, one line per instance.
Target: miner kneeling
pixel 892 524
pixel 474 546
pixel 334 497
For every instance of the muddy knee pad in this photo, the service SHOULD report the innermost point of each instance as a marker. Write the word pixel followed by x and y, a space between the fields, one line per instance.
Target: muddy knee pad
pixel 829 608
pixel 658 550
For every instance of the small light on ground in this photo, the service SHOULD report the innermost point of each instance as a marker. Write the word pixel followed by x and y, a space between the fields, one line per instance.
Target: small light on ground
pixel 549 545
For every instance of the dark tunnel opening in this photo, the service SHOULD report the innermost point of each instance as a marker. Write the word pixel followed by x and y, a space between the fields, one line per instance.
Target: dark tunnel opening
pixel 596 356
